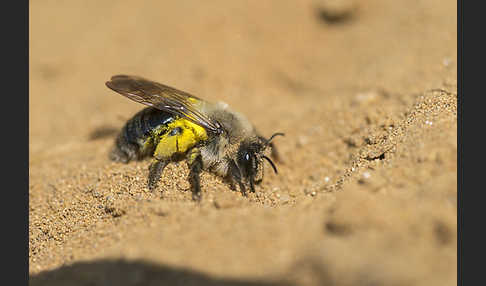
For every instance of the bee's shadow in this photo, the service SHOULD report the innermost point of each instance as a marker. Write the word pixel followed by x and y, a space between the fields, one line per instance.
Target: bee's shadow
pixel 122 272
pixel 103 132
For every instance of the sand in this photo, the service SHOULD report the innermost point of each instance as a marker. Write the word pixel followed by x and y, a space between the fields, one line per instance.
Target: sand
pixel 365 91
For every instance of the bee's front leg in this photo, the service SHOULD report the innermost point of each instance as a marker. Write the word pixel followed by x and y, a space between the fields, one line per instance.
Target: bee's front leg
pixel 235 175
pixel 194 161
pixel 155 171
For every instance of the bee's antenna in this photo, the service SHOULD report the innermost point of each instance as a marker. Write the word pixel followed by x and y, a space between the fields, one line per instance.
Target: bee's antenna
pixel 271 163
pixel 271 137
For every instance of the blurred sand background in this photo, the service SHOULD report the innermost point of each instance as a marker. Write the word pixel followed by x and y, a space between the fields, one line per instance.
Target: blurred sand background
pixel 364 90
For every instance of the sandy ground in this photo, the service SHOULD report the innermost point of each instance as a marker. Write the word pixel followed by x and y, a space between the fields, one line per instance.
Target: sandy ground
pixel 364 90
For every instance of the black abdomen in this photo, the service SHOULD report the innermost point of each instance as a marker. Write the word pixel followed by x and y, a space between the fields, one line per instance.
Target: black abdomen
pixel 130 139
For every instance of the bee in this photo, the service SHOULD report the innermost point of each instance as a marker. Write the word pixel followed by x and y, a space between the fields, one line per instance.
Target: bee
pixel 179 126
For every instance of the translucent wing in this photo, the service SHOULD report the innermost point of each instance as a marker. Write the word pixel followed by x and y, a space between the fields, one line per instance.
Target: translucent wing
pixel 164 98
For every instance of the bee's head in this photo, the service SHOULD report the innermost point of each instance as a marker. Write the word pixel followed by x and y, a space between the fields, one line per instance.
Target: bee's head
pixel 249 161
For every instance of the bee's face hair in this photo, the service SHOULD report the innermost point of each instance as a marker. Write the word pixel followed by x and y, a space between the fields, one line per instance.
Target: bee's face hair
pixel 250 159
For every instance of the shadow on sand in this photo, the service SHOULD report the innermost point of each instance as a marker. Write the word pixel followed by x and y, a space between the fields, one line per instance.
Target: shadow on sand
pixel 121 273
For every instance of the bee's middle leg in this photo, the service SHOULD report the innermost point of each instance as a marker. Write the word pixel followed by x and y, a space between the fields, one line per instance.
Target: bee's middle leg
pixel 194 161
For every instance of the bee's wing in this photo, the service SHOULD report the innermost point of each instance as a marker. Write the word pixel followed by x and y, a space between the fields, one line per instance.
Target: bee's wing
pixel 164 98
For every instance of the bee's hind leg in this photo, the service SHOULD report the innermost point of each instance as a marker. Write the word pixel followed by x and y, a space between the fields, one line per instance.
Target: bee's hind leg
pixel 194 161
pixel 155 171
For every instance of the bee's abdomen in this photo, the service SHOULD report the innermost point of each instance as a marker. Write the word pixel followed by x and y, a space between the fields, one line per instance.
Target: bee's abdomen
pixel 129 143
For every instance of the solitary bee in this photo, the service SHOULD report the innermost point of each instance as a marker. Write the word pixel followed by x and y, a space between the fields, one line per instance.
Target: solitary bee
pixel 177 125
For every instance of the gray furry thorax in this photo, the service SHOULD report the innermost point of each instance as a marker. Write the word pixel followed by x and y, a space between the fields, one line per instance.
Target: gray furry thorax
pixel 224 147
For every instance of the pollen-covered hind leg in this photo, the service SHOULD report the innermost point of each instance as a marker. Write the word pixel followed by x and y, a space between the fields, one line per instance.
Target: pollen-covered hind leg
pixel 155 171
pixel 194 161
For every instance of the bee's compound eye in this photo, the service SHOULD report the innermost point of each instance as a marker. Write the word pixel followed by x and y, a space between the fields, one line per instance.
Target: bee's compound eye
pixel 247 157
pixel 175 131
